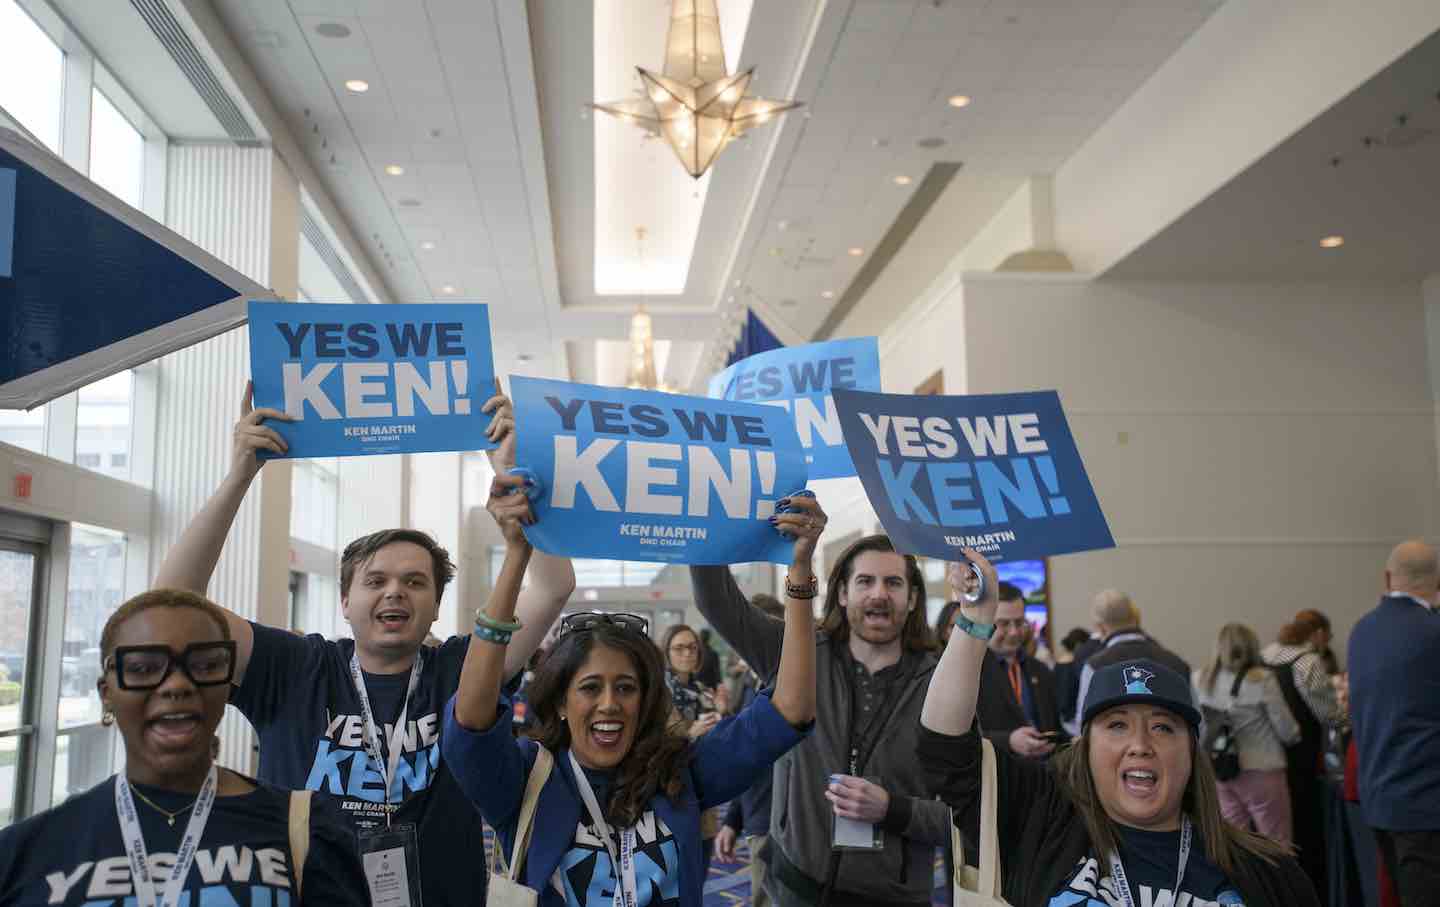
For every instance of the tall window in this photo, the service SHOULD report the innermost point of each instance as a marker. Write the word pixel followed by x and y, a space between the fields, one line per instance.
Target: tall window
pixel 117 151
pixel 32 74
pixel 22 428
pixel 96 588
pixel 102 426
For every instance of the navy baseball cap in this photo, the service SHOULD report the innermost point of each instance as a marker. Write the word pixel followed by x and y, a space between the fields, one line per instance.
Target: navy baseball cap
pixel 1140 680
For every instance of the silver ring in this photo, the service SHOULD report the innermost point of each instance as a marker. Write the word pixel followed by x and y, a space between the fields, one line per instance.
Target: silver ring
pixel 979 592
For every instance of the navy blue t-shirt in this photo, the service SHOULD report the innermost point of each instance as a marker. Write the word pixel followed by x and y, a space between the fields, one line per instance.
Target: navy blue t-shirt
pixel 74 854
pixel 299 694
pixel 1150 863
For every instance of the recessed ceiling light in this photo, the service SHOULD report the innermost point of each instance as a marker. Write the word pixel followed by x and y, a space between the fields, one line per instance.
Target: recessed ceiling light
pixel 901 180
pixel 332 30
pixel 1332 242
pixel 359 86
pixel 856 251
pixel 828 294
pixel 428 246
pixel 394 170
pixel 959 100
pixel 448 290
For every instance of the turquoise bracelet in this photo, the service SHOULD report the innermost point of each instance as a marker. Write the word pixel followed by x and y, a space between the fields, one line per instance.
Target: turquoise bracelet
pixel 489 634
pixel 484 620
pixel 980 631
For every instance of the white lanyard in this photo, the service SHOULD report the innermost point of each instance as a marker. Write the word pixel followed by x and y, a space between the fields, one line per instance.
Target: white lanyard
pixel 140 857
pixel 1122 884
pixel 624 862
pixel 372 731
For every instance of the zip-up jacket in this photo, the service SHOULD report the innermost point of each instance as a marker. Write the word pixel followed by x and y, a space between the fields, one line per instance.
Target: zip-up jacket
pixel 801 819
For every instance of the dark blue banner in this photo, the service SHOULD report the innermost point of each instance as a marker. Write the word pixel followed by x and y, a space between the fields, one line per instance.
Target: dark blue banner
pixel 374 379
pixel 995 472
pixel 645 476
pixel 799 379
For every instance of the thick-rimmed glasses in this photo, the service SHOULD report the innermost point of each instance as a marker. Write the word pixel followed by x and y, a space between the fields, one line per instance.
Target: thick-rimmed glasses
pixel 588 620
pixel 207 664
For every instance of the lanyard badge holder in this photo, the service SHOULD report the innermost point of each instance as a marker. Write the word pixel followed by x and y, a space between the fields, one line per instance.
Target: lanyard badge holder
pixel 621 860
pixel 140 871
pixel 390 855
pixel 853 834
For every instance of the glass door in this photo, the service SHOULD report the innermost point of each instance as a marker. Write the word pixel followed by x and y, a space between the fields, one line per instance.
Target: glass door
pixel 20 570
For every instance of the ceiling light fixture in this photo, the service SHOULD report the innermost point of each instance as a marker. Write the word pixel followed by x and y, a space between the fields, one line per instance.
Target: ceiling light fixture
pixel 448 290
pixel 394 170
pixel 427 246
pixel 1332 242
pixel 856 251
pixel 901 180
pixel 959 100
pixel 642 375
pixel 693 103
pixel 359 86
pixel 827 294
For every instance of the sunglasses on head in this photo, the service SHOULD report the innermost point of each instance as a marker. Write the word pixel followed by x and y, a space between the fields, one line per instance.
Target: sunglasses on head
pixel 589 620
pixel 207 664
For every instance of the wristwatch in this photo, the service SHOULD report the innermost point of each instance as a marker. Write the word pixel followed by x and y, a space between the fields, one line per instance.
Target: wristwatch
pixel 980 631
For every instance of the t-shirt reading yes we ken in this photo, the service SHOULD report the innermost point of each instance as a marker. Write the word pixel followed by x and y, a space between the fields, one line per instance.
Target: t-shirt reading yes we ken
pixel 74 855
pixel 1149 859
pixel 586 877
pixel 299 694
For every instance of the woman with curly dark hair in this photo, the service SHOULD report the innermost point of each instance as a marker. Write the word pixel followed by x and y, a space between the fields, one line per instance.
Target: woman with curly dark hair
pixel 618 817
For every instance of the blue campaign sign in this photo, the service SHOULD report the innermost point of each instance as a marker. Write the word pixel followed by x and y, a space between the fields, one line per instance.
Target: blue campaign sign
pixel 995 472
pixel 645 476
pixel 799 379
pixel 374 379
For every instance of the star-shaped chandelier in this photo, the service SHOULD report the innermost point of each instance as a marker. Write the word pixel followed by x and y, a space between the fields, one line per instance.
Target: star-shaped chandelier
pixel 695 105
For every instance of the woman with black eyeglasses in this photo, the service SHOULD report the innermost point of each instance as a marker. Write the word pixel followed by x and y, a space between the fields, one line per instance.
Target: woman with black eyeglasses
pixel 173 826
pixel 618 818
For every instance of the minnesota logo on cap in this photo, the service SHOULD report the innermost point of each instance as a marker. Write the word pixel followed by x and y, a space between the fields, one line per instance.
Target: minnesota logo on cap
pixel 1137 680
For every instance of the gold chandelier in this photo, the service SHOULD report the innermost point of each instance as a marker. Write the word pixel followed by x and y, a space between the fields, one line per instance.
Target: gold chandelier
pixel 641 374
pixel 694 104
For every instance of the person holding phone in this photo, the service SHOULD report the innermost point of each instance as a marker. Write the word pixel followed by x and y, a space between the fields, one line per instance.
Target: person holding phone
pixel 1018 706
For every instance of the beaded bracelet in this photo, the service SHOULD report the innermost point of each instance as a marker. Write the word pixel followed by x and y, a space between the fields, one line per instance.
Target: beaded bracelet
pixel 486 634
pixel 484 620
pixel 802 591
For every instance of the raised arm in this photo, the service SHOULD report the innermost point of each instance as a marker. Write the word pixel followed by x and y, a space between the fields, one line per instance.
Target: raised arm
pixel 552 579
pixel 794 695
pixel 190 562
pixel 477 699
pixel 954 687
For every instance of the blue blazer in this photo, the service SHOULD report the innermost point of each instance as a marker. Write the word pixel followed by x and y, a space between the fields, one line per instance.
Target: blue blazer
pixel 492 767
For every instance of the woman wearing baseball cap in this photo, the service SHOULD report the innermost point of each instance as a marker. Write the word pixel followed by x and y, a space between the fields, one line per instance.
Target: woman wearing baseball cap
pixel 1127 814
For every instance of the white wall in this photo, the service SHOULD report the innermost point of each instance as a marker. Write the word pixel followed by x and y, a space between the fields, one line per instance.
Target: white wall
pixel 1257 448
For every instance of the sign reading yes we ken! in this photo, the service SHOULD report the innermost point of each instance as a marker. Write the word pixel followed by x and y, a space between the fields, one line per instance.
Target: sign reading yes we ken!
pixel 641 475
pixel 799 379
pixel 373 379
pixel 999 473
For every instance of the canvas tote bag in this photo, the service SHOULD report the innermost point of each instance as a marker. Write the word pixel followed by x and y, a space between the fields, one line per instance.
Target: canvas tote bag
pixel 504 889
pixel 980 887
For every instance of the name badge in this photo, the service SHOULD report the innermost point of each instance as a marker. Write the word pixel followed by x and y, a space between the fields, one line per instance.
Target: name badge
pixel 391 859
pixel 852 834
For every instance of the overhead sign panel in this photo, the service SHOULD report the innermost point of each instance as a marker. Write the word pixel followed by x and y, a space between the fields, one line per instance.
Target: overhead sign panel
pixel 89 286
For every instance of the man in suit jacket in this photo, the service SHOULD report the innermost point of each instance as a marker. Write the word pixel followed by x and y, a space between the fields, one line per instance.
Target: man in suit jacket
pixel 1017 706
pixel 1394 661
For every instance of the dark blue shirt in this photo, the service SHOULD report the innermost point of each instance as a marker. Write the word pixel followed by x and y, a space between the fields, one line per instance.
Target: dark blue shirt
pixel 1151 860
pixel 299 694
pixel 1394 660
pixel 74 854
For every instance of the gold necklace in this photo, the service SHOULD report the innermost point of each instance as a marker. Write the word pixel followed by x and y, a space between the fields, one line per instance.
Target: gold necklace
pixel 165 812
